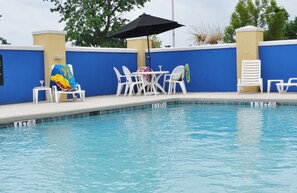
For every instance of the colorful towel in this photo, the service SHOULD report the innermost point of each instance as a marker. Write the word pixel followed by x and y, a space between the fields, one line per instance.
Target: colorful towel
pixel 145 69
pixel 63 78
pixel 187 71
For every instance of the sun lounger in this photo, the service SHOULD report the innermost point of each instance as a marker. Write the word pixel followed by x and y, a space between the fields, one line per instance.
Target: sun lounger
pixel 283 87
pixel 250 75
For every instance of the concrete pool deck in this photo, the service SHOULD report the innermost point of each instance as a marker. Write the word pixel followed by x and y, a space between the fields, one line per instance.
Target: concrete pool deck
pixel 24 111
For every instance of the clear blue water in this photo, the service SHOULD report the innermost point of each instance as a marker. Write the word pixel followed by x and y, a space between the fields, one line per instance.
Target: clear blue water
pixel 181 148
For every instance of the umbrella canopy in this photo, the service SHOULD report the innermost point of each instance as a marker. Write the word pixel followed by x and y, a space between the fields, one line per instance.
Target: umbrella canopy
pixel 146 25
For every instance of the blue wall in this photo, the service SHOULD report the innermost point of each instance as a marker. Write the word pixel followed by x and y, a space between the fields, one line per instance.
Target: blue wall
pixel 278 62
pixel 22 70
pixel 212 70
pixel 94 70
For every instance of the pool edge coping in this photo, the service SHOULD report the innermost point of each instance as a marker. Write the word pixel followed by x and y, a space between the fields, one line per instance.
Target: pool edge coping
pixel 67 114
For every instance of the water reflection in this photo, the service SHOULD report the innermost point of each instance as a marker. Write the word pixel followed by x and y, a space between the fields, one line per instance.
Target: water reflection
pixel 249 125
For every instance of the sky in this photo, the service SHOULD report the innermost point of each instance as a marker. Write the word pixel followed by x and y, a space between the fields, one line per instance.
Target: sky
pixel 22 17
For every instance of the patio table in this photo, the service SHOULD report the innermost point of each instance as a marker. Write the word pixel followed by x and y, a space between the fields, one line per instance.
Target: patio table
pixel 154 82
pixel 42 88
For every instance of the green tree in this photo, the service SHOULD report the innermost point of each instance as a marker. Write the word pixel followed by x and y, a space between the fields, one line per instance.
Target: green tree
pixel 276 27
pixel 90 22
pixel 2 40
pixel 291 29
pixel 260 13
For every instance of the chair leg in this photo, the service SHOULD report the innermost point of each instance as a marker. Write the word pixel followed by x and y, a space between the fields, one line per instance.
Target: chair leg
pixel 174 87
pixel 131 89
pixel 183 87
pixel 126 89
pixel 143 87
pixel 82 95
pixel 119 89
pixel 169 88
pixel 57 96
pixel 280 88
pixel 35 96
pixel 138 87
pixel 50 96
pixel 73 96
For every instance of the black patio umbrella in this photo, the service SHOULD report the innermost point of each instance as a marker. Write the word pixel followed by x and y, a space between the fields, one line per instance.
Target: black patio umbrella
pixel 146 25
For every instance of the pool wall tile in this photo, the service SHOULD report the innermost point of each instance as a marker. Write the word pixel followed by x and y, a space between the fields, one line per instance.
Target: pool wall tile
pixel 162 104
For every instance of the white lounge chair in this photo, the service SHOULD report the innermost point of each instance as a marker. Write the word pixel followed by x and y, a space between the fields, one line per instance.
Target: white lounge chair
pixel 121 82
pixel 250 75
pixel 57 93
pixel 132 81
pixel 283 87
pixel 176 77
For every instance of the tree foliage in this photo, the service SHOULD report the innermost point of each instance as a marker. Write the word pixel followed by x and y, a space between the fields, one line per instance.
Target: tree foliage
pixel 291 29
pixel 90 22
pixel 260 13
pixel 202 35
pixel 2 40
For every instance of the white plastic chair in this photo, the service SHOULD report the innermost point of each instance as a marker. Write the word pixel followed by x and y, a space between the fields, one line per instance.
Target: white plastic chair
pixel 132 81
pixel 250 75
pixel 121 83
pixel 176 77
pixel 57 93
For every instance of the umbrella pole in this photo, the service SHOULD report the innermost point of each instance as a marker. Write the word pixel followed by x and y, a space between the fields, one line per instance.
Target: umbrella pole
pixel 149 53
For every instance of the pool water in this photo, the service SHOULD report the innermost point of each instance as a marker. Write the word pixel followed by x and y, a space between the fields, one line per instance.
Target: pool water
pixel 180 148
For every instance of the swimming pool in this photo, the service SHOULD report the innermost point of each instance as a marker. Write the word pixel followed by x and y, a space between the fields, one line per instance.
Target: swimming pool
pixel 180 148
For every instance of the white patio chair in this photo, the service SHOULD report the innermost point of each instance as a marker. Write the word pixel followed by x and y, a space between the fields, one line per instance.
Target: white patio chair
pixel 250 75
pixel 121 81
pixel 57 93
pixel 132 81
pixel 176 77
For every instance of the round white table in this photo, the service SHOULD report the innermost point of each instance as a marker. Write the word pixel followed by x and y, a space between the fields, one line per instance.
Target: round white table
pixel 155 76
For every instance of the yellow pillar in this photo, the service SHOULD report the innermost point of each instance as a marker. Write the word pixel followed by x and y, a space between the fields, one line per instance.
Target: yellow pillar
pixel 54 49
pixel 247 41
pixel 140 44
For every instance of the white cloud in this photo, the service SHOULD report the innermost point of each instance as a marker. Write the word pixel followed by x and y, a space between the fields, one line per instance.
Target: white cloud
pixel 21 17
